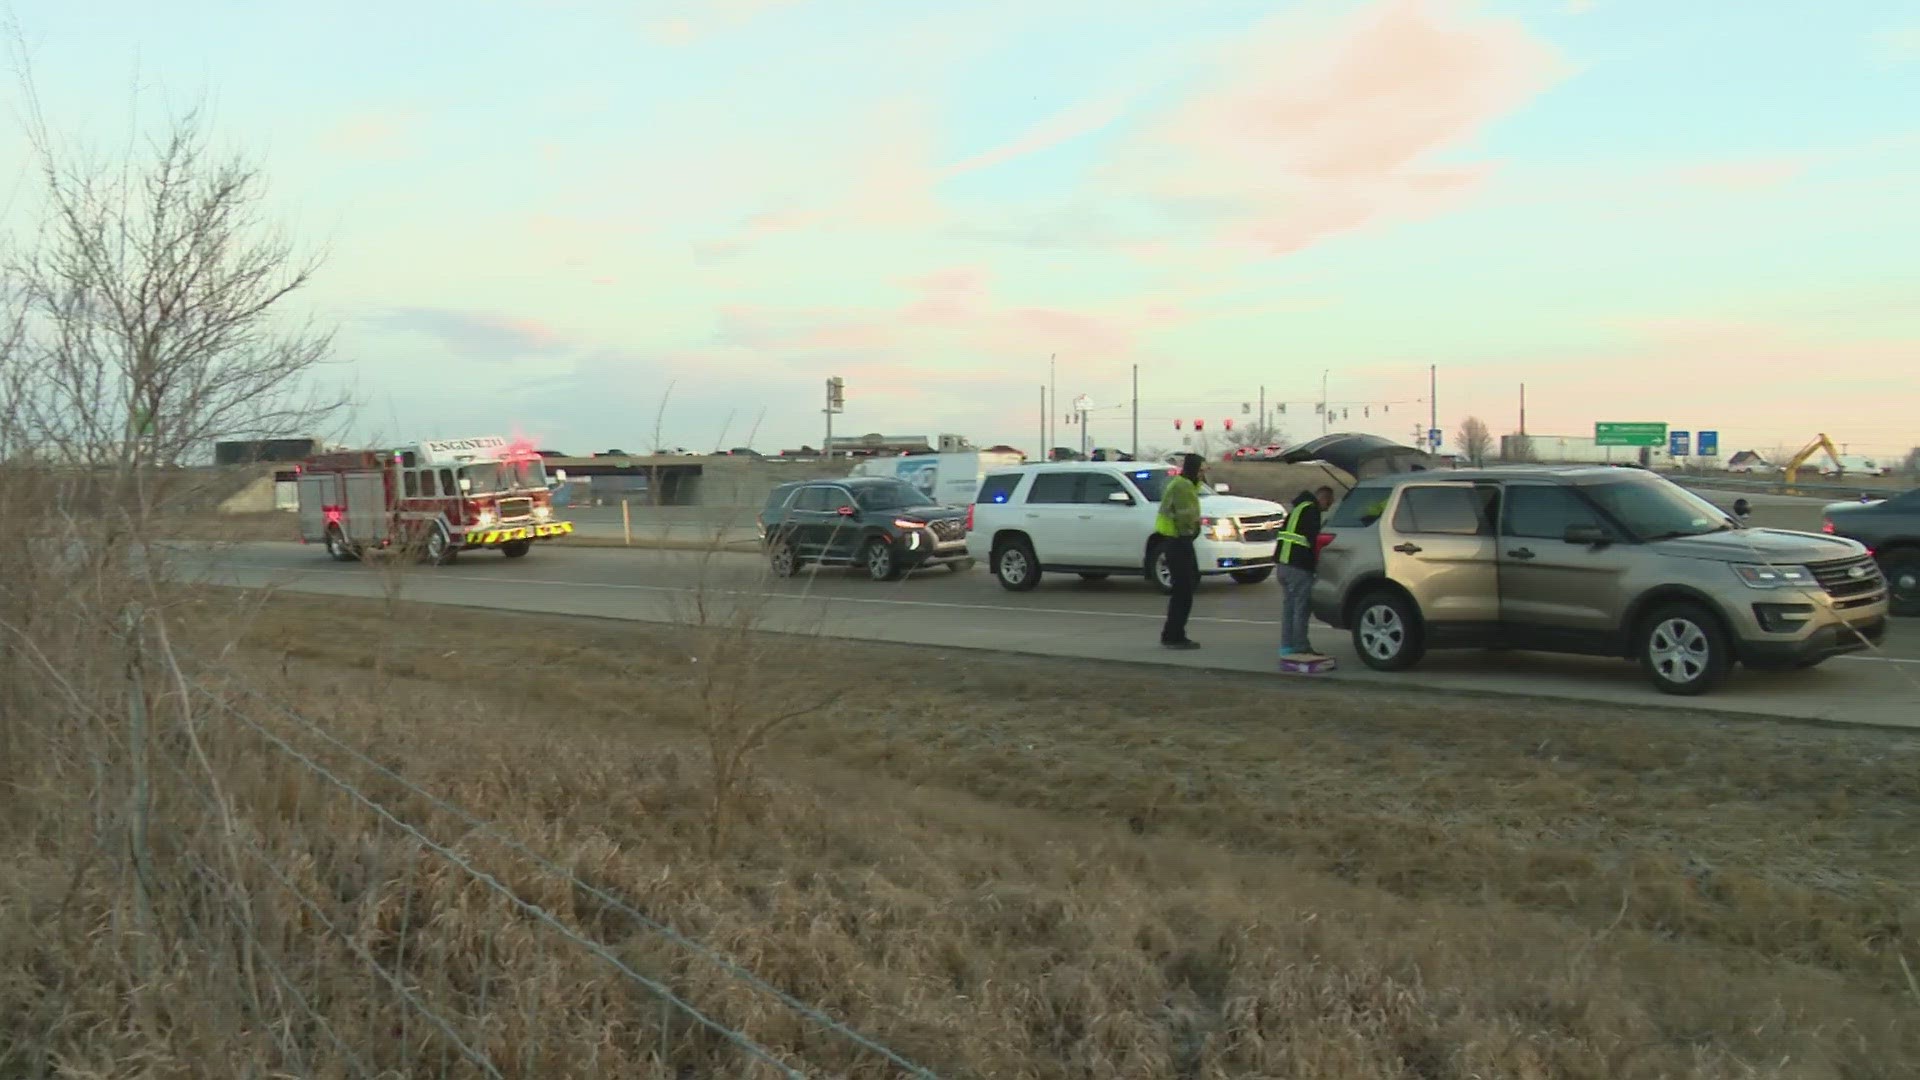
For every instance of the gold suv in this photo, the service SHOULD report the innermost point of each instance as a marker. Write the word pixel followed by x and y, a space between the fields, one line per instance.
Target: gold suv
pixel 1589 560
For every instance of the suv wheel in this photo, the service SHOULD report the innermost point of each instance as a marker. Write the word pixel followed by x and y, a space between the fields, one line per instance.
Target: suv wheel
pixel 880 562
pixel 1015 567
pixel 1386 633
pixel 1683 649
pixel 1159 570
pixel 782 559
pixel 1903 581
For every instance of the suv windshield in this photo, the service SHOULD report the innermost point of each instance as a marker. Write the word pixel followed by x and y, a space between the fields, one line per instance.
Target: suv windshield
pixel 495 476
pixel 1659 510
pixel 893 495
pixel 1153 482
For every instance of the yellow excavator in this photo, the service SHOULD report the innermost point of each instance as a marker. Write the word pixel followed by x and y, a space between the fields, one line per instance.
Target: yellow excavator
pixel 1820 442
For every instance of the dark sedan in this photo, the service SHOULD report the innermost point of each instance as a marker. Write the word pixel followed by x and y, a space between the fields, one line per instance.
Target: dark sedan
pixel 1891 529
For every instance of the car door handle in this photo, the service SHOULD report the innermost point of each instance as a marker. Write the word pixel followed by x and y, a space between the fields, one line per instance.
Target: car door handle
pixel 1520 553
pixel 1408 548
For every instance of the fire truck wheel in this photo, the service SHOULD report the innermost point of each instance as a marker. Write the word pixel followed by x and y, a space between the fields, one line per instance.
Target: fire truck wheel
pixel 439 550
pixel 516 549
pixel 338 547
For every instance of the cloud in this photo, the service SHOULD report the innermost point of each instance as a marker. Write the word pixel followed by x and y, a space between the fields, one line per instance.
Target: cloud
pixel 697 20
pixel 1308 134
pixel 1740 174
pixel 1075 122
pixel 1899 46
pixel 385 135
pixel 477 335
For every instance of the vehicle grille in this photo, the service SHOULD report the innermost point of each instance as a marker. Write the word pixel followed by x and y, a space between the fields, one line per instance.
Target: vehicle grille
pixel 948 529
pixel 1261 528
pixel 515 508
pixel 1840 580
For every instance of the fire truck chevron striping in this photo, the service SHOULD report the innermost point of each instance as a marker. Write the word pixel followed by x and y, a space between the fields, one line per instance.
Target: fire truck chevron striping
pixel 435 497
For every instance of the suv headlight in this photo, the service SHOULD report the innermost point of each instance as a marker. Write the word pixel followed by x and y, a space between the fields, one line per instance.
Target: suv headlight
pixel 1220 528
pixel 1763 576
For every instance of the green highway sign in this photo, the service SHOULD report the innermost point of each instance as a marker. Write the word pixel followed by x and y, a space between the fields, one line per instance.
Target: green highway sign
pixel 1629 434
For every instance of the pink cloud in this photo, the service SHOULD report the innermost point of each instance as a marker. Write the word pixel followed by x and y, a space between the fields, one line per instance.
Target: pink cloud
pixel 1308 135
pixel 384 134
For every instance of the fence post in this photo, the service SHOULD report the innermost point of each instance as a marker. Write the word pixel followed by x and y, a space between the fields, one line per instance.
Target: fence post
pixel 141 794
pixel 626 521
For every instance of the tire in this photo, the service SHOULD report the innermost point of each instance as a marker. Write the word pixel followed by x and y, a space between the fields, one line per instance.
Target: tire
pixel 1683 650
pixel 338 548
pixel 437 550
pixel 1094 577
pixel 961 566
pixel 1387 632
pixel 516 550
pixel 782 559
pixel 1253 576
pixel 1015 567
pixel 881 563
pixel 1158 572
pixel 1902 569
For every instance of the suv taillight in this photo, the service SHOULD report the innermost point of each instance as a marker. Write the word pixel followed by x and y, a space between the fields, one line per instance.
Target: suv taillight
pixel 1826 524
pixel 969 517
pixel 1320 542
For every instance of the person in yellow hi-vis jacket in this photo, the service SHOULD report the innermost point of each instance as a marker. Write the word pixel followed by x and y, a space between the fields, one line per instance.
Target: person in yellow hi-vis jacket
pixel 1297 557
pixel 1179 523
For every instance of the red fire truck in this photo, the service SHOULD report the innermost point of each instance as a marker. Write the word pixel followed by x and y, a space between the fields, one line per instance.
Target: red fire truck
pixel 438 498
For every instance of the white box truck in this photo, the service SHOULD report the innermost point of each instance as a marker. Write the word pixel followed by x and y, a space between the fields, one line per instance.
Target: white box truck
pixel 947 479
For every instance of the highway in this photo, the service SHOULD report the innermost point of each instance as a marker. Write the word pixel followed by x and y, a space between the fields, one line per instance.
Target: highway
pixel 1115 620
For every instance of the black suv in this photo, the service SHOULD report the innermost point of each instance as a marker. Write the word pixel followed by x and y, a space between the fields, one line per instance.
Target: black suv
pixel 881 524
pixel 1891 530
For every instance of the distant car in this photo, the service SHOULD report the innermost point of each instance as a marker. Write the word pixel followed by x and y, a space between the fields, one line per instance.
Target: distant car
pixel 1890 528
pixel 882 525
pixel 1591 561
pixel 1096 519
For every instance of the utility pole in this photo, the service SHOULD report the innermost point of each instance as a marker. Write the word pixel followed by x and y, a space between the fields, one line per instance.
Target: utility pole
pixel 1523 408
pixel 1433 403
pixel 836 402
pixel 1261 428
pixel 1323 403
pixel 1053 381
pixel 1136 412
pixel 1043 421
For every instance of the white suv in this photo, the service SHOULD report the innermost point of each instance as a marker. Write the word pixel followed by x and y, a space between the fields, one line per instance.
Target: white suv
pixel 1095 519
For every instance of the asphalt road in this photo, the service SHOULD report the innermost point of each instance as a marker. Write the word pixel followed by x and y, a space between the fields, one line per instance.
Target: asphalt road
pixel 1115 620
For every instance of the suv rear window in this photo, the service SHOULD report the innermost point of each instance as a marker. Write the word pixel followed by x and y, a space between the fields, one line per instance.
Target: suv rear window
pixel 1361 507
pixel 1452 510
pixel 777 498
pixel 998 488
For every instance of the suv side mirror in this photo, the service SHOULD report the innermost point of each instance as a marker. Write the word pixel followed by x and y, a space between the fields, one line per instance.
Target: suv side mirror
pixel 559 476
pixel 1587 534
pixel 1120 497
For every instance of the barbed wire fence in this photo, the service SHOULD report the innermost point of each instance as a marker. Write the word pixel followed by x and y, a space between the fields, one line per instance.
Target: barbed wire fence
pixel 298 907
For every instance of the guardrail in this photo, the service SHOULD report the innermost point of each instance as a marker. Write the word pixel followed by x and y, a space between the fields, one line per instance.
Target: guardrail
pixel 1781 487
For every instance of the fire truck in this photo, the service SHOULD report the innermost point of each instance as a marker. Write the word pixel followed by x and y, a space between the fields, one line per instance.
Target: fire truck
pixel 437 498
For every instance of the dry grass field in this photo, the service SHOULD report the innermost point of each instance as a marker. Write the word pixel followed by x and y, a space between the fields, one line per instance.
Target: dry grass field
pixel 996 866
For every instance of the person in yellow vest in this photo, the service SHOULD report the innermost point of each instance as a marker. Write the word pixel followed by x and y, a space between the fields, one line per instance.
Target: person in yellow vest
pixel 1297 557
pixel 1179 524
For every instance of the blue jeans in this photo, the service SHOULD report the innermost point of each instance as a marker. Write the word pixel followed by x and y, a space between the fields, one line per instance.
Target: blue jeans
pixel 1297 585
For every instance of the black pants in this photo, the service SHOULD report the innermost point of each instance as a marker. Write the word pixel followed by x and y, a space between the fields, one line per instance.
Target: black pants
pixel 1186 580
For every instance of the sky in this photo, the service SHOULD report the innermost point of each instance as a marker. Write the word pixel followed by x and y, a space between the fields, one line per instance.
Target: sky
pixel 574 219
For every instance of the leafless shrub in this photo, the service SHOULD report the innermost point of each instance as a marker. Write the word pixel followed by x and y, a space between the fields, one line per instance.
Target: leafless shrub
pixel 1474 439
